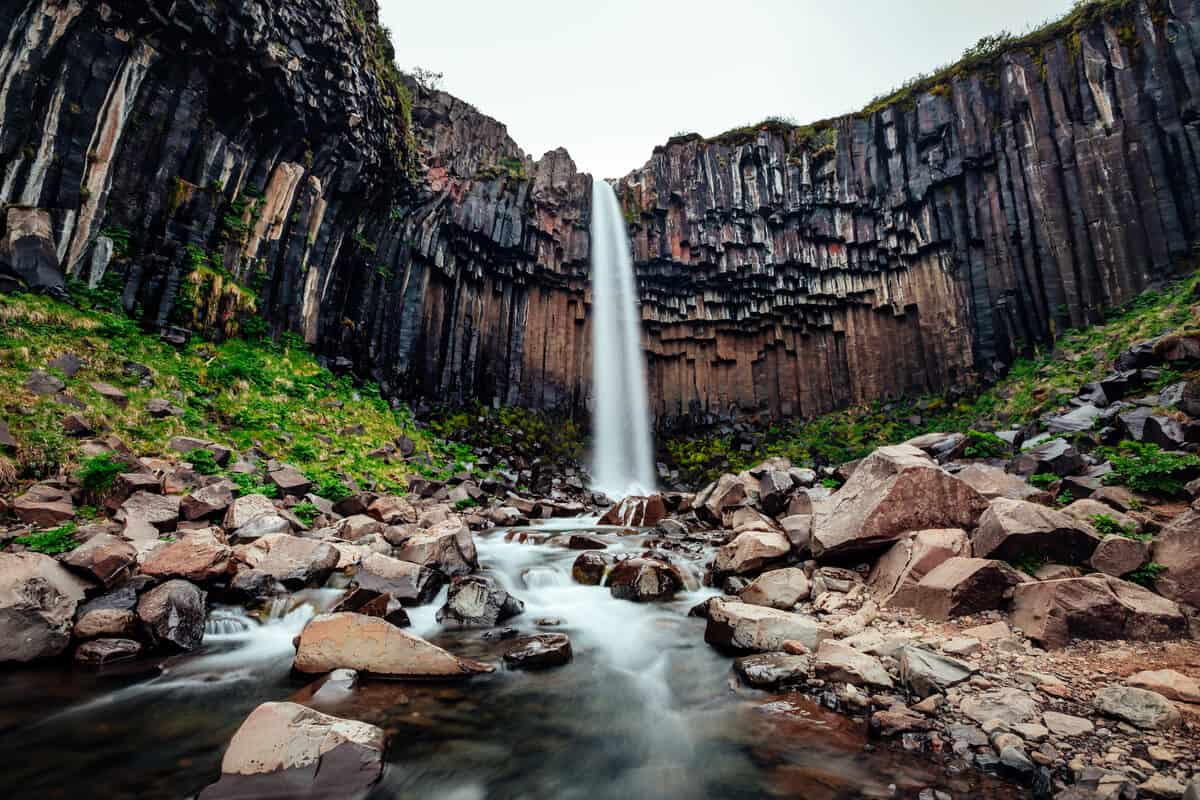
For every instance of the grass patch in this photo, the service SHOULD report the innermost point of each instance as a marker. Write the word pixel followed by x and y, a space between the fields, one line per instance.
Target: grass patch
pixel 98 473
pixel 52 542
pixel 1147 468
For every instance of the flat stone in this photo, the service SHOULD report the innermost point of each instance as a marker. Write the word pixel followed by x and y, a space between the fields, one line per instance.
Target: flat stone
pixel 99 652
pixel 1139 707
pixel 1066 725
pixel 374 646
pixel 924 672
pixel 1170 683
pixel 778 588
pixel 539 652
pixel 290 481
pixel 741 626
pixel 1005 704
pixel 838 662
pixel 772 669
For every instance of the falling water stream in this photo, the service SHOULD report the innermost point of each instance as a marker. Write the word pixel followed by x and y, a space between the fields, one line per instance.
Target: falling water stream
pixel 622 455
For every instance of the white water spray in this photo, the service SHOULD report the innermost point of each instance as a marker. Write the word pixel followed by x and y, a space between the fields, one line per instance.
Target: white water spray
pixel 622 459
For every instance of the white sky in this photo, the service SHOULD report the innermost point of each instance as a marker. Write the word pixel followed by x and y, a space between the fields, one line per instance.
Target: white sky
pixel 610 80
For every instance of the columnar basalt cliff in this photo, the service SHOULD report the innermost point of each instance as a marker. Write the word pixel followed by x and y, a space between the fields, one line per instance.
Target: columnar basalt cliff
pixel 267 162
pixel 791 270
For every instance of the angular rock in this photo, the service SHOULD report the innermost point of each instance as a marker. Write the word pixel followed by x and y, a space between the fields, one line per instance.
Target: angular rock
pixel 375 647
pixel 1177 549
pixel 43 384
pixel 99 652
pixel 476 601
pixel 839 662
pixel 37 604
pixel 644 580
pixel 263 525
pixel 1169 683
pixel 1139 707
pixel 95 622
pixel 287 750
pixel 408 582
pixel 246 508
pixel 751 551
pixel 775 491
pixel 111 393
pixel 960 586
pixel 636 512
pixel 293 561
pixel 1008 705
pixel 1094 607
pixel 1119 555
pixel 207 502
pixel 199 556
pixel 1066 725
pixel 373 604
pixel 940 446
pixel 392 510
pixel 773 669
pixel 541 651
pixel 1014 529
pixel 779 588
pixel 290 481
pixel 741 626
pixel 726 493
pixel 894 491
pixel 173 613
pixel 924 672
pixel 161 511
pixel 105 558
pixel 993 482
pixel 1055 456
pixel 893 581
pixel 448 547
pixel 44 506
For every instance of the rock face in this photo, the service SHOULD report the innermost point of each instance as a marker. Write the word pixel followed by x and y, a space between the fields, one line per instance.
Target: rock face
pixel 288 750
pixel 894 491
pixel 1096 607
pixel 1014 529
pixel 1177 548
pixel 376 647
pixel 37 603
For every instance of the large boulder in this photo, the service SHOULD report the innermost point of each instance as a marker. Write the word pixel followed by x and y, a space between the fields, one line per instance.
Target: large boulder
pixel 644 579
pixel 1014 529
pixel 159 510
pixel 993 482
pixel 391 509
pixel 207 502
pixel 376 647
pixel 476 601
pixel 173 613
pixel 292 560
pixel 841 662
pixel 589 568
pixel 775 491
pixel 409 582
pixel 743 627
pixel 779 588
pixel 894 491
pixel 1177 549
pixel 894 579
pixel 1139 707
pixel 45 506
pixel 1094 607
pixel 105 557
pixel 246 508
pixel 447 547
pixel 200 556
pixel 37 604
pixel 751 551
pixel 285 750
pixel 725 494
pixel 290 481
pixel 1119 555
pixel 960 586
pixel 636 512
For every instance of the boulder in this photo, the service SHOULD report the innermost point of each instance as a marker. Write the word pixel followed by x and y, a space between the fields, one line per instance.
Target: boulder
pixel 744 627
pixel 410 583
pixel 159 510
pixel 1011 706
pixel 44 506
pixel 941 446
pixel 539 652
pixel 779 588
pixel 798 530
pixel 589 568
pixel 1014 529
pixel 726 493
pixel 99 652
pixel 893 580
pixel 1169 683
pixel 924 672
pixel 636 512
pixel 95 622
pixel 375 647
pixel 993 482
pixel 173 613
pixel 772 669
pixel 373 604
pixel 751 551
pixel 392 510
pixel 1055 456
pixel 246 508
pixel 37 604
pixel 263 525
pixel 43 384
pixel 1119 555
pixel 104 557
pixel 1177 549
pixel 292 560
pixel 1139 707
pixel 290 481
pixel 207 502
pixel 199 556
pixel 447 546
pixel 644 580
pixel 1080 418
pixel 775 491
pixel 839 662
pixel 288 750
pixel 960 586
pixel 1094 607
pixel 477 601
pixel 357 526
pixel 894 491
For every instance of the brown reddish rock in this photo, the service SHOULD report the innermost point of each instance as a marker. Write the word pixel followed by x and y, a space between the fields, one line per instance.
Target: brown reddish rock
pixel 1087 509
pixel 290 481
pixel 589 568
pixel 644 580
pixel 893 581
pixel 726 493
pixel 246 508
pixel 1169 683
pixel 376 647
pixel 894 491
pixel 104 557
pixel 373 604
pixel 293 561
pixel 111 393
pixel 161 511
pixel 207 502
pixel 407 581
pixel 173 613
pixel 99 652
pixel 199 556
pixel 289 750
pixel 45 506
pixel 779 588
pixel 1094 607
pixel 539 652
pixel 636 512
pixel 751 551
pixel 840 662
pixel 37 604
pixel 993 482
pixel 1013 529
pixel 447 547
pixel 896 721
pixel 118 622
pixel 744 627
pixel 1119 555
pixel 392 510
pixel 960 586
pixel 1177 548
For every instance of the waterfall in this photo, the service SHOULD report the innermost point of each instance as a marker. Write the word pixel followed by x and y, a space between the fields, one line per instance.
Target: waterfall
pixel 622 458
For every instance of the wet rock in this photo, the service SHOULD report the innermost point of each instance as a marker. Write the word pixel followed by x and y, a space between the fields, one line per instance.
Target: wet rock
pixel 292 560
pixel 207 502
pixel 94 621
pixel 99 652
pixel 779 588
pixel 476 601
pixel 539 652
pixel 589 568
pixel 374 646
pixel 1094 607
pixel 1119 555
pixel 448 547
pixel 199 556
pixel 246 508
pixel 408 582
pixel 45 506
pixel 252 585
pixel 773 669
pixel 392 510
pixel 960 586
pixel 1177 549
pixel 894 491
pixel 636 512
pixel 1008 705
pixel 1055 456
pixel 1061 724
pixel 751 551
pixel 839 662
pixel 1139 707
pixel 741 626
pixel 105 558
pixel 893 581
pixel 288 750
pixel 644 580
pixel 37 604
pixel 925 673
pixel 1014 529
pixel 993 482
pixel 173 614
pixel 897 721
pixel 1169 683
pixel 161 511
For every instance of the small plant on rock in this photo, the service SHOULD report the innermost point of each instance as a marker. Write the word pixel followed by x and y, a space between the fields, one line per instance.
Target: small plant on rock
pixel 306 512
pixel 1147 575
pixel 99 473
pixel 202 461
pixel 985 445
pixel 251 483
pixel 1106 525
pixel 1146 467
pixel 1043 480
pixel 51 542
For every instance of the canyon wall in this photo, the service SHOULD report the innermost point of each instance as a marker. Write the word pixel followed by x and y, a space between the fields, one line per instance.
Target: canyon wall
pixel 789 270
pixel 265 165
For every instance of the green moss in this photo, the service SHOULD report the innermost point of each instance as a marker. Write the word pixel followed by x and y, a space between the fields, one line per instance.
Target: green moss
pixel 1147 575
pixel 51 542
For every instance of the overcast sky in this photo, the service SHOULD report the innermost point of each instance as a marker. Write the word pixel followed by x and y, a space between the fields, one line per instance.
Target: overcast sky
pixel 610 80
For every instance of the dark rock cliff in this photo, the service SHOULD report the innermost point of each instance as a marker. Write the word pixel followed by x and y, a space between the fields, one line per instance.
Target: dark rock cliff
pixel 791 269
pixel 220 164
